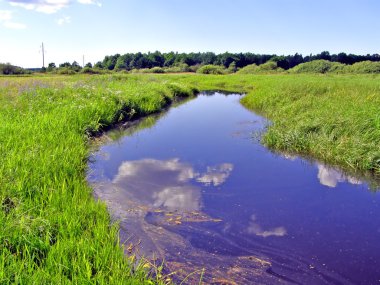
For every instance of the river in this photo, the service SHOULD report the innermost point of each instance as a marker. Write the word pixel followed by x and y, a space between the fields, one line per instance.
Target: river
pixel 194 186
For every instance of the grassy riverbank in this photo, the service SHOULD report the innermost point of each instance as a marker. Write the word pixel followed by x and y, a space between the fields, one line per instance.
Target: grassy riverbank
pixel 335 119
pixel 52 229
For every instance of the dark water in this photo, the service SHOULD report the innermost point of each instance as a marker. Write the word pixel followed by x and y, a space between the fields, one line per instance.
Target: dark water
pixel 194 186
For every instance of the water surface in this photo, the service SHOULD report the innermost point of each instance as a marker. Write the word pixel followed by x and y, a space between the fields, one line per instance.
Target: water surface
pixel 195 186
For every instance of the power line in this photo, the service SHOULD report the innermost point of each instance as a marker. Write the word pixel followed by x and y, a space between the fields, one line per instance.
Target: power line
pixel 43 55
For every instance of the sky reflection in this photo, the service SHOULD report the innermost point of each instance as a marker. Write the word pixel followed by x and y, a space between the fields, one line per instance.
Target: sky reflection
pixel 167 183
pixel 330 177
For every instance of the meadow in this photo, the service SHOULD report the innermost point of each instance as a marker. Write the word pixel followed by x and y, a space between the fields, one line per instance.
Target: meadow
pixel 54 232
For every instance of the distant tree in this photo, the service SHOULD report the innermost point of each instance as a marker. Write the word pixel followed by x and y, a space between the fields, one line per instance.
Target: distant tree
pixel 173 61
pixel 75 66
pixel 88 64
pixel 208 58
pixel 169 59
pixel 109 62
pixel 281 61
pixel 65 64
pixel 323 55
pixel 99 65
pixel 295 60
pixel 226 59
pixel 9 69
pixel 51 67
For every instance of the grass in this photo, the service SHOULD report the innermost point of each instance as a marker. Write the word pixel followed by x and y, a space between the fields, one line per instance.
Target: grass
pixel 332 118
pixel 54 232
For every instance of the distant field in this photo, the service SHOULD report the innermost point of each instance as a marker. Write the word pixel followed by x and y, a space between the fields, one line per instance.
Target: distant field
pixel 52 229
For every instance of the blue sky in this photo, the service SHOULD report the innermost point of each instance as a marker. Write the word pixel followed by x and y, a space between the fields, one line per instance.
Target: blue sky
pixel 95 28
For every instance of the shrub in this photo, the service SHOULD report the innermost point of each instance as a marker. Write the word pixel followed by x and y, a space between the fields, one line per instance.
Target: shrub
pixel 268 67
pixel 211 69
pixel 89 70
pixel 318 66
pixel 65 70
pixel 179 67
pixel 157 70
pixel 194 68
pixel 9 69
pixel 364 67
pixel 249 69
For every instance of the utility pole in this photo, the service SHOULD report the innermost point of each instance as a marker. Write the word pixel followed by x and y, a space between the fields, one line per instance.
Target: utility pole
pixel 83 61
pixel 43 55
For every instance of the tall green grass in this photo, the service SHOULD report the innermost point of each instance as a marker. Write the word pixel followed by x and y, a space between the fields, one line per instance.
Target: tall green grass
pixel 52 230
pixel 332 118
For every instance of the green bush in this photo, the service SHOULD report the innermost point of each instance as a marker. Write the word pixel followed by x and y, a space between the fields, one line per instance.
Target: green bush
pixel 318 66
pixel 364 67
pixel 249 69
pixel 194 68
pixel 179 67
pixel 211 69
pixel 95 70
pixel 268 67
pixel 157 70
pixel 9 69
pixel 65 70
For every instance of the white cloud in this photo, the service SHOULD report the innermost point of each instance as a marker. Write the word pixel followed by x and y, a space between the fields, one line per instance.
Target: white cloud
pixel 255 228
pixel 5 15
pixel 64 20
pixel 6 21
pixel 90 2
pixel 14 25
pixel 43 6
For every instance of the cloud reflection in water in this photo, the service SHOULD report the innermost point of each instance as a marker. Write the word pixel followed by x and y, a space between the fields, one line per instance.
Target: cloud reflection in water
pixel 331 177
pixel 216 175
pixel 166 183
pixel 255 228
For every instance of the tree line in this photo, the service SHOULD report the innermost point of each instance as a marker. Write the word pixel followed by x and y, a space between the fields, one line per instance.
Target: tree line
pixel 140 60
pixel 187 62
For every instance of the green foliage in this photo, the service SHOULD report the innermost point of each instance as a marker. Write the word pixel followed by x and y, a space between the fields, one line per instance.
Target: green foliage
pixel 178 67
pixel 364 67
pixel 232 68
pixel 334 119
pixel 318 66
pixel 51 67
pixel 89 70
pixel 52 229
pixel 211 69
pixel 249 69
pixel 9 69
pixel 325 66
pixel 268 67
pixel 66 71
pixel 172 60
